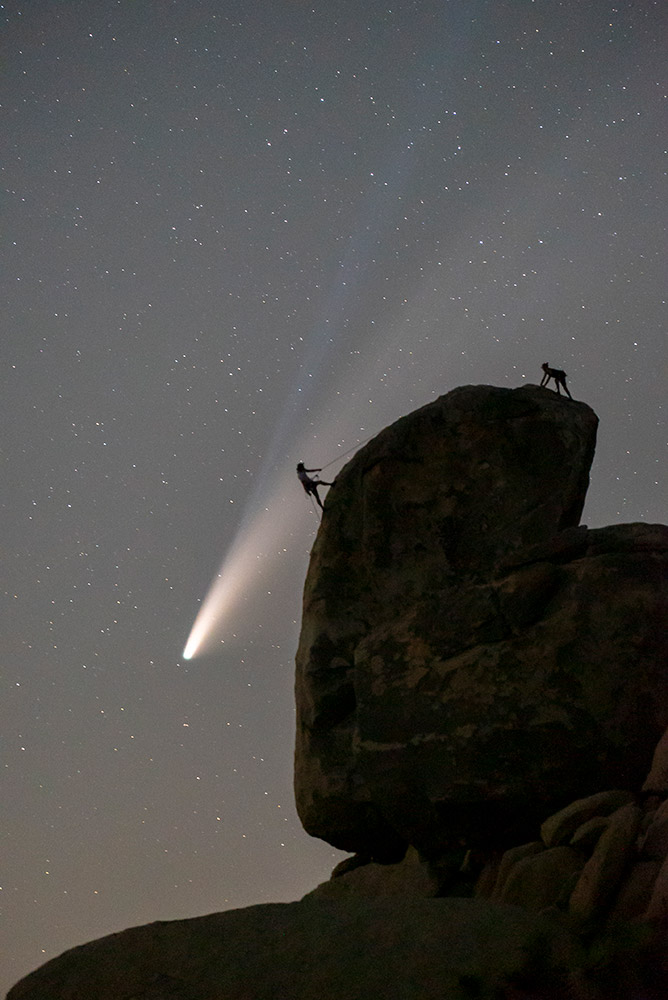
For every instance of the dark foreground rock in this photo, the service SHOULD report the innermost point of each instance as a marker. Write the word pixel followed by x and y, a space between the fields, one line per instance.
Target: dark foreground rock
pixel 316 949
pixel 470 659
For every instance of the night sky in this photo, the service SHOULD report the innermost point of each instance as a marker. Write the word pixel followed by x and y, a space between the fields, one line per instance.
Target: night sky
pixel 235 236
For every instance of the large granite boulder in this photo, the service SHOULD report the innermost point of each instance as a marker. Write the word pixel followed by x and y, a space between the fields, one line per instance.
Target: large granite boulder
pixel 470 659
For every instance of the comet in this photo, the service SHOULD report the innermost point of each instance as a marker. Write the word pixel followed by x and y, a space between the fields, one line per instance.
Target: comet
pixel 248 563
pixel 250 559
pixel 262 540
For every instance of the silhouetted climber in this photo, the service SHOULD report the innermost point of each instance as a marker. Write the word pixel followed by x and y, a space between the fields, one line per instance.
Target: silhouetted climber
pixel 558 376
pixel 310 485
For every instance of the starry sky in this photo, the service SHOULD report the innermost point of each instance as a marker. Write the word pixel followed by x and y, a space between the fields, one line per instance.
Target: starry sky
pixel 237 236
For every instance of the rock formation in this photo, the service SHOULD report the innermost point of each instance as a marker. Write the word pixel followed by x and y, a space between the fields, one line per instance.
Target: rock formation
pixel 403 948
pixel 481 685
pixel 470 659
pixel 579 913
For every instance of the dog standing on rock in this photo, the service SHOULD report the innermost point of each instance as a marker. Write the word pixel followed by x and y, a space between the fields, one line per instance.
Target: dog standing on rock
pixel 559 378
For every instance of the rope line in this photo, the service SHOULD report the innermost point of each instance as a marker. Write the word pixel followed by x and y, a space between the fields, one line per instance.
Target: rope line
pixel 360 444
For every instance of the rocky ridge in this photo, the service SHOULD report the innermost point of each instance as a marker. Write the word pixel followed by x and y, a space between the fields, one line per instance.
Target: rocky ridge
pixel 580 913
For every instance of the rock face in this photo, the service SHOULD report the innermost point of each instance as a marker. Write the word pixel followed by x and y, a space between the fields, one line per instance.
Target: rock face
pixel 470 659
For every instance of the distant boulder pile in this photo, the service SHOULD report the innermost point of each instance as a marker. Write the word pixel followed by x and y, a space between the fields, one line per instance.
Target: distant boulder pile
pixel 600 862
pixel 482 722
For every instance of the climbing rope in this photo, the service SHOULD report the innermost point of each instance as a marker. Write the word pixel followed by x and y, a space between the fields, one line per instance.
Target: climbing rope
pixel 360 444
